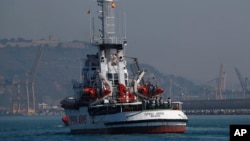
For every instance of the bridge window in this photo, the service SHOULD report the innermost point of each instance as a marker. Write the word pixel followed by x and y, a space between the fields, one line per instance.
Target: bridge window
pixel 110 77
pixel 116 75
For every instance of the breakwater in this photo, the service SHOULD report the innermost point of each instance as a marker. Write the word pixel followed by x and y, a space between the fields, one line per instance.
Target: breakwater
pixel 218 112
pixel 217 107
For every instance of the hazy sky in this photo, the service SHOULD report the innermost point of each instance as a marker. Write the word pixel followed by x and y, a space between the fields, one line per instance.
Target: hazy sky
pixel 189 38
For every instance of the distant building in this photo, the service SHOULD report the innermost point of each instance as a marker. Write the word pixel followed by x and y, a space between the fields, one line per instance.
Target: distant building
pixel 19 44
pixel 73 45
pixel 47 42
pixel 51 42
pixel 43 106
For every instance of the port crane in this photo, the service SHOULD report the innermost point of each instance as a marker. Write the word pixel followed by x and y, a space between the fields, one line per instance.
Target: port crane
pixel 12 87
pixel 30 78
pixel 221 83
pixel 16 98
pixel 243 82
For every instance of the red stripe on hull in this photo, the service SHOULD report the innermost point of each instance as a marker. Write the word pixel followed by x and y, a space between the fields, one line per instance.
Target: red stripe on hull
pixel 126 130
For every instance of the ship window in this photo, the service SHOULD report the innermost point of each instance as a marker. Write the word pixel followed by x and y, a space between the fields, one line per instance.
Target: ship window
pixel 109 76
pixel 126 82
pixel 115 75
pixel 85 74
pixel 87 63
pixel 116 82
pixel 93 69
pixel 126 75
pixel 93 77
pixel 85 69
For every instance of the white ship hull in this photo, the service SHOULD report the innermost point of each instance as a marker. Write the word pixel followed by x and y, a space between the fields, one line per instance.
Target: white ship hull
pixel 147 121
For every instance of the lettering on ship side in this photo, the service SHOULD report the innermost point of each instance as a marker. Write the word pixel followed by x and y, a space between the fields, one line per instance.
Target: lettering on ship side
pixel 73 120
pixel 158 114
pixel 81 119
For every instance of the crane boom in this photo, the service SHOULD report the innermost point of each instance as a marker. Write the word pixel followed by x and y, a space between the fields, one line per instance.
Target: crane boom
pixel 243 82
pixel 30 81
pixel 33 71
pixel 137 66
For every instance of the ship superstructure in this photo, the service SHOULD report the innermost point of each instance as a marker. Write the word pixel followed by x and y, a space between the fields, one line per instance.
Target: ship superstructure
pixel 108 100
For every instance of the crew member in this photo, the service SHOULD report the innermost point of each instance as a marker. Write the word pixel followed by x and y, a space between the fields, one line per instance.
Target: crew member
pixel 169 102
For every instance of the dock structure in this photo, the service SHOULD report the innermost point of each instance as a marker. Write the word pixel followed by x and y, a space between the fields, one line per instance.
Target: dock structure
pixel 229 106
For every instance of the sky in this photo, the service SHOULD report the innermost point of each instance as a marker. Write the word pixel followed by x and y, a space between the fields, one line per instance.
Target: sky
pixel 188 38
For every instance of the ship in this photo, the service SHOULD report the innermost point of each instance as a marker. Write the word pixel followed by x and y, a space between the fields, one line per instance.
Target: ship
pixel 110 98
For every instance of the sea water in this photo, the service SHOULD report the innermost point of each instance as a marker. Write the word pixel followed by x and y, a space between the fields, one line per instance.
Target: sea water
pixel 51 128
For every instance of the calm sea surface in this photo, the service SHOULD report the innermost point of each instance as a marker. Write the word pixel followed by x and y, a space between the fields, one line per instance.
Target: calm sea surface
pixel 50 128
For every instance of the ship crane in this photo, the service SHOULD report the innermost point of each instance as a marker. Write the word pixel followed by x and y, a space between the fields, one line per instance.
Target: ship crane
pixel 30 78
pixel 137 67
pixel 243 81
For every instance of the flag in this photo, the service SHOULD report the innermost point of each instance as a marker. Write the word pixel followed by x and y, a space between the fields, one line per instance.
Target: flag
pixel 113 4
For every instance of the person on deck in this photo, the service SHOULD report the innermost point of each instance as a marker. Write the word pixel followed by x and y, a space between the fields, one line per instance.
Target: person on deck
pixel 169 102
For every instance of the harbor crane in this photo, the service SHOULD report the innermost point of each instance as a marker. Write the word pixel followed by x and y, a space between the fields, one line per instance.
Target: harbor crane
pixel 12 87
pixel 16 98
pixel 243 81
pixel 30 78
pixel 221 83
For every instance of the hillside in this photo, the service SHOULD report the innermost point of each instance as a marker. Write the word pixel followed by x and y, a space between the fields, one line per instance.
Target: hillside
pixel 59 67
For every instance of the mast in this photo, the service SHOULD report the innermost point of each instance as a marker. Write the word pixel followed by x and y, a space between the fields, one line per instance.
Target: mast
pixel 110 47
pixel 112 65
pixel 108 21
